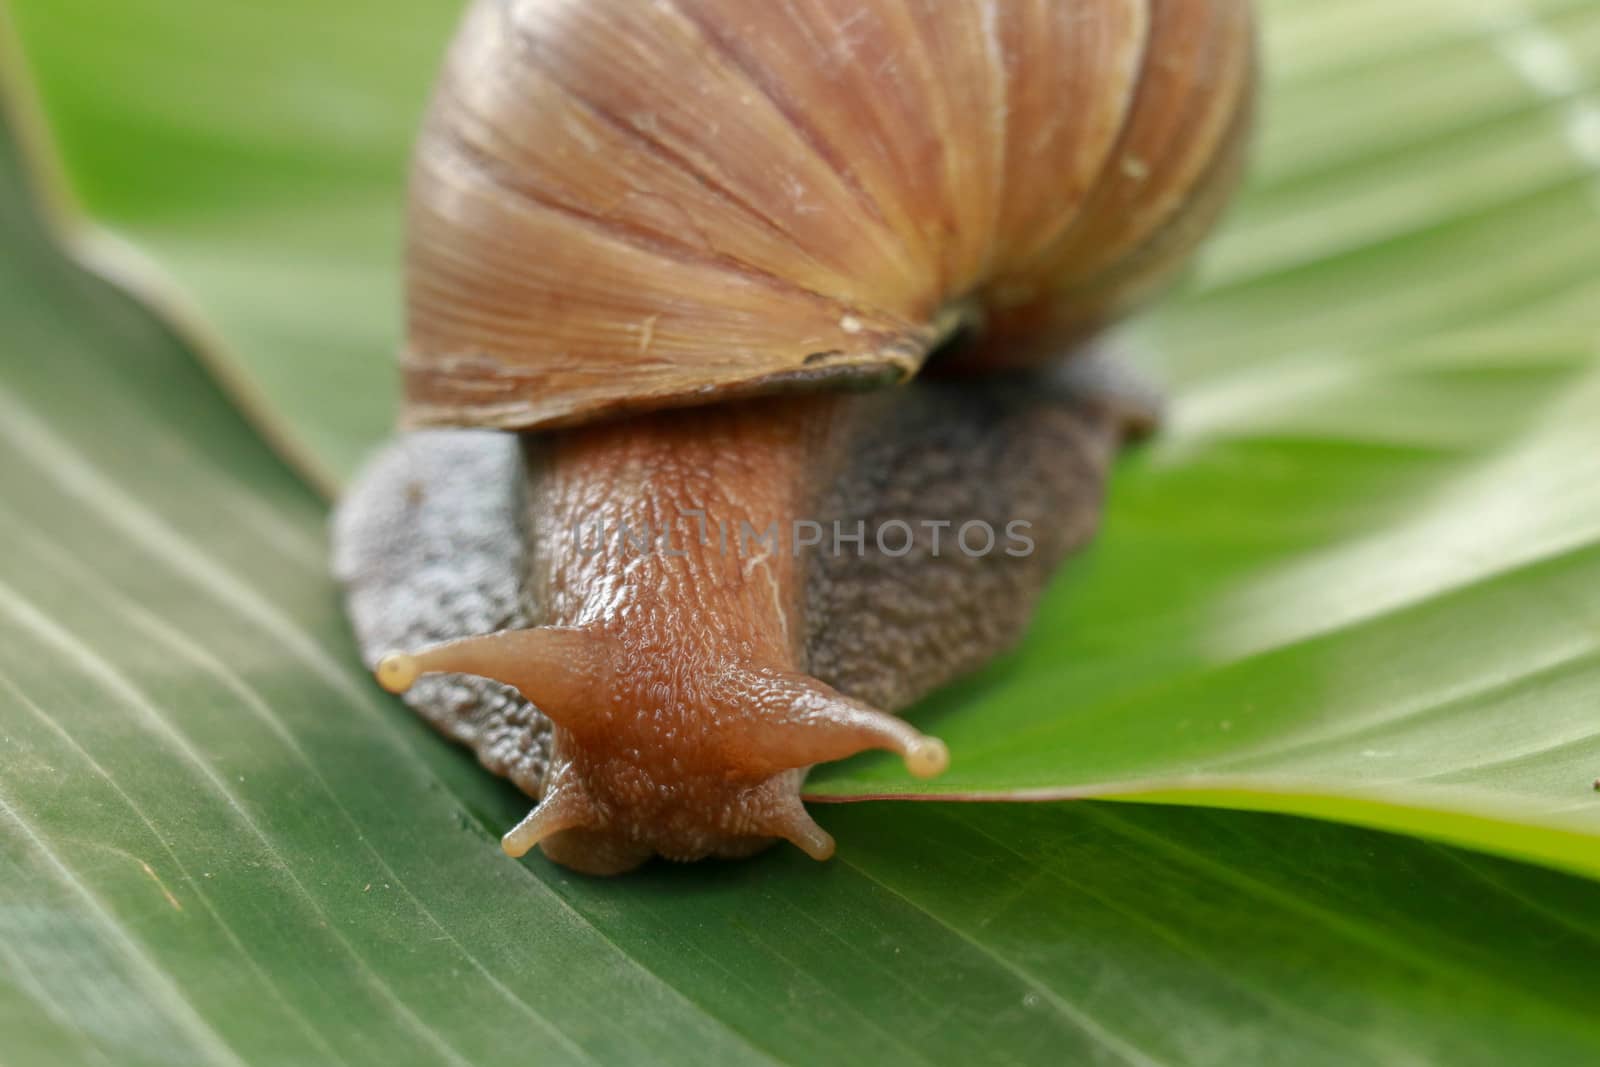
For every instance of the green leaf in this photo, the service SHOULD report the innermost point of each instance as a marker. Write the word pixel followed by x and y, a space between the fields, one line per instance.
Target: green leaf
pixel 1357 577
pixel 220 844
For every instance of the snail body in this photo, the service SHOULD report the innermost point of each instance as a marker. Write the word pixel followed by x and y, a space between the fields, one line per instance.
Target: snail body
pixel 675 247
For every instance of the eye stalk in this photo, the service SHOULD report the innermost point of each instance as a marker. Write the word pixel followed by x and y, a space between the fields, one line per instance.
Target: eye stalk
pixel 797 721
pixel 558 668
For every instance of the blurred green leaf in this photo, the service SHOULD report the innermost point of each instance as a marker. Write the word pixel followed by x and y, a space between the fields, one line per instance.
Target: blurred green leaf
pixel 253 156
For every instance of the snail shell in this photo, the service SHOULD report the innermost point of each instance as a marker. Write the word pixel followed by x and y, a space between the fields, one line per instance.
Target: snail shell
pixel 620 205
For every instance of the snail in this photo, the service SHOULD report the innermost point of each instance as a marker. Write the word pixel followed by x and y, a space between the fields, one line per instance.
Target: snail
pixel 755 382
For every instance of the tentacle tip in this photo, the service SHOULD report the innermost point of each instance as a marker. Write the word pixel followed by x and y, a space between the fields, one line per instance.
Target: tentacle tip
pixel 813 840
pixel 521 838
pixel 514 845
pixel 927 757
pixel 794 824
pixel 397 672
pixel 821 849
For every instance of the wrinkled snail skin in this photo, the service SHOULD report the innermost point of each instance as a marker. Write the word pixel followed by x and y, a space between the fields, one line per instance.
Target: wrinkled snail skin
pixel 674 246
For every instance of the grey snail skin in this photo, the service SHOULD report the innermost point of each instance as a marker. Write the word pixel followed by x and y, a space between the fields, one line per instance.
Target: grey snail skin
pixel 756 380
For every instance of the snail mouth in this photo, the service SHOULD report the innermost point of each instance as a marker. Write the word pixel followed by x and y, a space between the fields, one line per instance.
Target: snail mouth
pixel 596 852
pixel 601 851
pixel 710 821
pixel 604 854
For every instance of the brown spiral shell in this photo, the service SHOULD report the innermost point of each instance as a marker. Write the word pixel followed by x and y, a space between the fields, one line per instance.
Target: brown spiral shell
pixel 620 205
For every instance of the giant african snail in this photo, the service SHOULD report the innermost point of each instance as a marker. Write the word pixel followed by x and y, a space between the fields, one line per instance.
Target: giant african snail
pixel 694 252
